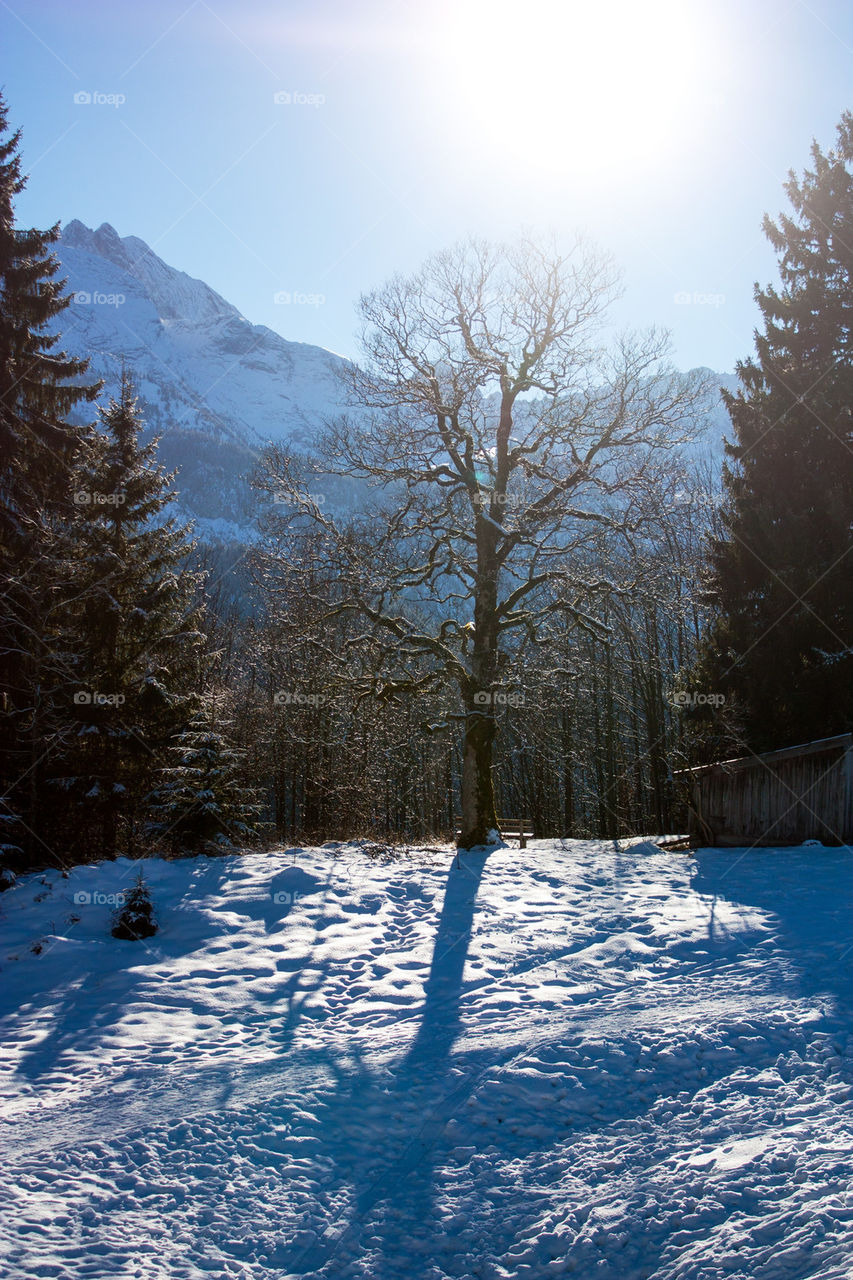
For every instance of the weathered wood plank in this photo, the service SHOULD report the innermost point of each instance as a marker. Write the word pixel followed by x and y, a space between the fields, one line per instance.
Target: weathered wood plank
pixel 778 797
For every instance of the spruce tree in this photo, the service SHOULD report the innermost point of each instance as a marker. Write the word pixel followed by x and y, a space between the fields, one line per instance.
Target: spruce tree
pixel 135 618
pixel 134 920
pixel 781 650
pixel 39 388
pixel 203 802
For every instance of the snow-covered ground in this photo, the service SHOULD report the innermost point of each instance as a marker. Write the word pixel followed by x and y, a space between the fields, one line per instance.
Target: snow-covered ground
pixel 577 1059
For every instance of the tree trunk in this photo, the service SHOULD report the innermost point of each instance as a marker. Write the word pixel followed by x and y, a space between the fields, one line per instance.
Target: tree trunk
pixel 568 768
pixel 478 792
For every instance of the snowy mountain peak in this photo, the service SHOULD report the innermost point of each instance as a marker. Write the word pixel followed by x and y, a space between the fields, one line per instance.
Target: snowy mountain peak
pixel 215 386
pixel 176 295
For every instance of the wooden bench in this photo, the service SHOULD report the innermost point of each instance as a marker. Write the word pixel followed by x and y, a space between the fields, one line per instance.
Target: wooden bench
pixel 521 829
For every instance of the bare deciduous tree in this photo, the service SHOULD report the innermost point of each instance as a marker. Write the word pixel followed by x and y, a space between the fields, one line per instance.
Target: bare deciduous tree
pixel 501 437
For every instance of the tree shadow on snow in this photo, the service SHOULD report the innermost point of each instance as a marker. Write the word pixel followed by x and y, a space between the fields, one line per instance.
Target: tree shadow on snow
pixel 388 1168
pixel 91 1004
pixel 810 893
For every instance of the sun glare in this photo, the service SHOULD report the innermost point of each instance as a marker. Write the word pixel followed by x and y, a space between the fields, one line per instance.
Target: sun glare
pixel 569 88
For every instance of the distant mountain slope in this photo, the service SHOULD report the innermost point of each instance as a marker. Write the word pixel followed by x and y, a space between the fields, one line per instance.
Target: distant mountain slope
pixel 216 386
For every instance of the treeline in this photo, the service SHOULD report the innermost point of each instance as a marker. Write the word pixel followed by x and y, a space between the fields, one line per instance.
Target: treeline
pixel 589 718
pixel 113 734
pixel 638 612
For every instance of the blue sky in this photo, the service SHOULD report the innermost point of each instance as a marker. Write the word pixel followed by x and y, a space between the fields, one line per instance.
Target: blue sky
pixel 662 131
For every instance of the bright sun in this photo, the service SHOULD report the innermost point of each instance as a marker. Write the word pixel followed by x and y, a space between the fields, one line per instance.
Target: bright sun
pixel 572 87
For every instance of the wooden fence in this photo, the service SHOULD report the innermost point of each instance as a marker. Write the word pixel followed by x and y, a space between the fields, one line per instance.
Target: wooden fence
pixel 780 797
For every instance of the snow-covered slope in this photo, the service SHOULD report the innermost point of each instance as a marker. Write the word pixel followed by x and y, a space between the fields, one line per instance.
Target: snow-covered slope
pixel 216 386
pixel 188 345
pixel 574 1060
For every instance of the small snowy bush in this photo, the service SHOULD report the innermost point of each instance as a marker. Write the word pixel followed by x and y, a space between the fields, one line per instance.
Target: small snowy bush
pixel 135 919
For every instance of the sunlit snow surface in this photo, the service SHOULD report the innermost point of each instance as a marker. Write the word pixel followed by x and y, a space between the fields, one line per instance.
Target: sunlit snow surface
pixel 574 1059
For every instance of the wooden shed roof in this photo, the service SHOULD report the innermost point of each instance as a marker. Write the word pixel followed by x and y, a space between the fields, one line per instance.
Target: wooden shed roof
pixel 841 742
